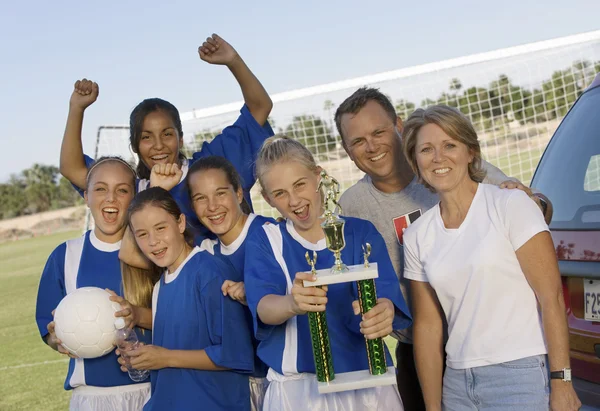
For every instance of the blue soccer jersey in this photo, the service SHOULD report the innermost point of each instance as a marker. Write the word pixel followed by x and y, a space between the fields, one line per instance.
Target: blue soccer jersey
pixel 235 253
pixel 83 262
pixel 191 313
pixel 273 257
pixel 238 143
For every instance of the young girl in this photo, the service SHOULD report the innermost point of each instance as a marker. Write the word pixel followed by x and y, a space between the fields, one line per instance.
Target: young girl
pixel 216 191
pixel 92 260
pixel 274 272
pixel 156 134
pixel 201 354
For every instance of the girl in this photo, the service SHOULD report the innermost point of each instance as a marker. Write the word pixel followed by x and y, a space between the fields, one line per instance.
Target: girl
pixel 156 135
pixel 482 260
pixel 201 352
pixel 92 260
pixel 216 191
pixel 275 268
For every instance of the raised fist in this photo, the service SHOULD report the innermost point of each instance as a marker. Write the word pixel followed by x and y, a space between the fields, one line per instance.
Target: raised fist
pixel 84 94
pixel 215 50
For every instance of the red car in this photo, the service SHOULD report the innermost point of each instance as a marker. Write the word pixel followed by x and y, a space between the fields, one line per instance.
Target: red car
pixel 569 175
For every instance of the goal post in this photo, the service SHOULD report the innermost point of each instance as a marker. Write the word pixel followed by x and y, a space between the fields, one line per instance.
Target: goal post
pixel 515 97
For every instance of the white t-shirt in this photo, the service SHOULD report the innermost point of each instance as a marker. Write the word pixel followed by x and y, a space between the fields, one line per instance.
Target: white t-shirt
pixel 491 310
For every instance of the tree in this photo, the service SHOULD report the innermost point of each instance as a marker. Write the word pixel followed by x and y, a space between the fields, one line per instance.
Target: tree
pixel 40 191
pixel 404 108
pixel 560 92
pixel 313 133
pixel 12 200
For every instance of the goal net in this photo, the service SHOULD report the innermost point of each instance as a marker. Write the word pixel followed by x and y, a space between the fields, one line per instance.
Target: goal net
pixel 515 97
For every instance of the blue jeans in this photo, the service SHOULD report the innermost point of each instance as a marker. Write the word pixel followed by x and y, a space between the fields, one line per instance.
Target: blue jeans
pixel 521 385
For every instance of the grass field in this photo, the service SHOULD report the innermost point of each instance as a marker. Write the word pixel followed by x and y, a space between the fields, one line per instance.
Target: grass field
pixel 31 374
pixel 26 382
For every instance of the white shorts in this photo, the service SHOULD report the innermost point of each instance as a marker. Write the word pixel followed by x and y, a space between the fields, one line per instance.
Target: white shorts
pixel 121 398
pixel 300 393
pixel 258 387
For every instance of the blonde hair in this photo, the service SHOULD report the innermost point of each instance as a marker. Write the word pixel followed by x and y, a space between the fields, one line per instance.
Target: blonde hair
pixel 138 284
pixel 278 149
pixel 454 124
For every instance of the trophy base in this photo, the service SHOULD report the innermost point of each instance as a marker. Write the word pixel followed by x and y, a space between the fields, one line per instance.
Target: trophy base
pixel 357 380
pixel 355 273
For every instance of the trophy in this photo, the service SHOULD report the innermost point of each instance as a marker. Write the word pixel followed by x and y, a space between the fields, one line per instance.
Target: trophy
pixel 379 373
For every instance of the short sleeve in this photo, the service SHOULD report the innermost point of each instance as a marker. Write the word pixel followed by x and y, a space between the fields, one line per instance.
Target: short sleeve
pixel 51 289
pixel 523 218
pixel 413 267
pixel 231 344
pixel 387 284
pixel 262 276
pixel 493 175
pixel 239 143
pixel 88 163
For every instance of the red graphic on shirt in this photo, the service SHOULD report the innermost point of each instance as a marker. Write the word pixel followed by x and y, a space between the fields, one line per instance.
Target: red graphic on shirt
pixel 402 222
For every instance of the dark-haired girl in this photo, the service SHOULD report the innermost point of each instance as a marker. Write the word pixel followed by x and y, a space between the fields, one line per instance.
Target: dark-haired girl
pixel 216 192
pixel 201 353
pixel 156 133
pixel 92 260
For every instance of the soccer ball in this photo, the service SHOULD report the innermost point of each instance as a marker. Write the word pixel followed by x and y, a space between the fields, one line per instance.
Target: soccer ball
pixel 85 322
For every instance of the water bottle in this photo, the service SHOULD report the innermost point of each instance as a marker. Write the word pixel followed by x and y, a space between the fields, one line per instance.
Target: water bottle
pixel 127 340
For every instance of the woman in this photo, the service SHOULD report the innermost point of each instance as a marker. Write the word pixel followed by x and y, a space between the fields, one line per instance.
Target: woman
pixel 275 269
pixel 482 260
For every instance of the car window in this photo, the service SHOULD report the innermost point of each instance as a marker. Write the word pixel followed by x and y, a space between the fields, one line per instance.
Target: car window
pixel 592 175
pixel 569 171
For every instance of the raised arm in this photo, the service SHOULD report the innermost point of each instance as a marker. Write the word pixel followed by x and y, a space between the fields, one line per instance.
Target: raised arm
pixel 215 50
pixel 72 162
pixel 428 334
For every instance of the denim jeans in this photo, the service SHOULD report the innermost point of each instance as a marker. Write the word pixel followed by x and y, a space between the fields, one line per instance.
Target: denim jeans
pixel 522 385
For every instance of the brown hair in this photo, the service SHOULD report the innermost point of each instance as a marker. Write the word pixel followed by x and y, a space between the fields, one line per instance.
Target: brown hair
pixel 454 124
pixel 161 198
pixel 219 163
pixel 358 100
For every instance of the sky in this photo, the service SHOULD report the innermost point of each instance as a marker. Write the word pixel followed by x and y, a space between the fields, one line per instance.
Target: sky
pixel 140 49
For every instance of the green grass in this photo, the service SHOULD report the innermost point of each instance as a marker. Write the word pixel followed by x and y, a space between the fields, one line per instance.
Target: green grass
pixel 520 165
pixel 26 383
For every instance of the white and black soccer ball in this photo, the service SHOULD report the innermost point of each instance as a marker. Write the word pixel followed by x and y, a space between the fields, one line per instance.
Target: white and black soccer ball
pixel 85 322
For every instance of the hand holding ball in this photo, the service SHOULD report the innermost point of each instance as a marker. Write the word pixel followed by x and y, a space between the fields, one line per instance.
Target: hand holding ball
pixel 85 322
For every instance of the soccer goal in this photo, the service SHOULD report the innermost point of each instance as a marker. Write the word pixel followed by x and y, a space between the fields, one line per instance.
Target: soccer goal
pixel 515 97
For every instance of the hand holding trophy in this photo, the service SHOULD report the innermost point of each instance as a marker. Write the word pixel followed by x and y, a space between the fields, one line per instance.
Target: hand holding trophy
pixel 364 274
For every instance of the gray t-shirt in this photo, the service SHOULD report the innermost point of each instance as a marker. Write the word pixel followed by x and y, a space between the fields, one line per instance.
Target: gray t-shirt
pixel 392 213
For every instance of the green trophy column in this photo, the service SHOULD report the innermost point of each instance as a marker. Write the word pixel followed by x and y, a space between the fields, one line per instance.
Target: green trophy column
pixel 375 349
pixel 321 346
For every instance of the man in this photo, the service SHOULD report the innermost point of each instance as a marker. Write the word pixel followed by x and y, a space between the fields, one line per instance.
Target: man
pixel 391 198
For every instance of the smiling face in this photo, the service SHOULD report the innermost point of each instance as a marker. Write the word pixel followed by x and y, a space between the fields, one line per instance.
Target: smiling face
pixel 159 141
pixel 110 189
pixel 291 188
pixel 217 204
pixel 443 162
pixel 371 140
pixel 160 236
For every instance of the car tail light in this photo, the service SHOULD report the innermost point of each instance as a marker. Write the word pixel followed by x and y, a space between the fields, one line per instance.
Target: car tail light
pixel 565 290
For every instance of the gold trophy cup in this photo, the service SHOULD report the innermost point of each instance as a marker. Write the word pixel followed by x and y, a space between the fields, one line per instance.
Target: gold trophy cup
pixel 379 373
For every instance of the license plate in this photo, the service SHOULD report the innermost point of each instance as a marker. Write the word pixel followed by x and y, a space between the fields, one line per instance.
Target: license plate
pixel 591 299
